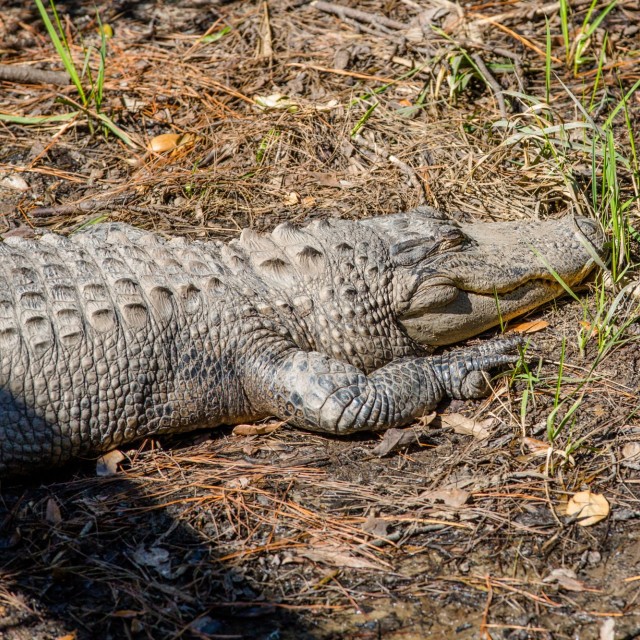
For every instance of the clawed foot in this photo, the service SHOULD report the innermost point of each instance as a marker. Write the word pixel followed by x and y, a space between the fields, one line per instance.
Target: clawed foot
pixel 465 372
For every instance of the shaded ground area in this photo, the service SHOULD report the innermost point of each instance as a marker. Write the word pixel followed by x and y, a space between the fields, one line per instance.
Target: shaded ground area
pixel 289 534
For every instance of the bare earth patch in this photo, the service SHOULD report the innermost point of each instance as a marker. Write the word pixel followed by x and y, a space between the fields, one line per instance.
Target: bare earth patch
pixel 285 110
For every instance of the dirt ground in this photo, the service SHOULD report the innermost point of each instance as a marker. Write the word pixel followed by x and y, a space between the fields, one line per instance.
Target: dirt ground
pixel 285 110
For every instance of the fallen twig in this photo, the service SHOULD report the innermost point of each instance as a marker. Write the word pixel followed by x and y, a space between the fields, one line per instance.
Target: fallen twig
pixel 357 14
pixel 492 82
pixel 26 74
pixel 84 206
pixel 372 149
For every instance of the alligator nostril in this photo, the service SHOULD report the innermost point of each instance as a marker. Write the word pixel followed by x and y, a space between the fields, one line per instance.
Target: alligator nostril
pixel 588 226
pixel 591 231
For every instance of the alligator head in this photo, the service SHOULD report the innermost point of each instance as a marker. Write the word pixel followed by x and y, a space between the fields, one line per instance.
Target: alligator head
pixel 455 280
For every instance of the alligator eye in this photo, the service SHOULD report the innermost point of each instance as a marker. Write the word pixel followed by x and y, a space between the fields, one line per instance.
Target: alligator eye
pixel 450 238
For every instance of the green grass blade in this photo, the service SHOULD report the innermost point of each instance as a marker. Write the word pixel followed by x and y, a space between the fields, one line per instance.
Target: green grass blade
pixel 596 23
pixel 547 64
pixel 621 104
pixel 556 275
pixel 116 130
pixel 364 119
pixel 596 82
pixel 62 51
pixel 63 117
pixel 564 25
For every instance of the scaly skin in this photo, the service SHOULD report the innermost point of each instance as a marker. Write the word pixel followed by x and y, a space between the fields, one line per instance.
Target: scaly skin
pixel 114 334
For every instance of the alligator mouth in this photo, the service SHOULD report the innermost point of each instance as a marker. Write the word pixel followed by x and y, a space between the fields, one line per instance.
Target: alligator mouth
pixel 484 291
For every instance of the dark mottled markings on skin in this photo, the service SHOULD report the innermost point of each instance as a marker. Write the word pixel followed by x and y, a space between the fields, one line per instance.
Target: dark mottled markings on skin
pixel 62 293
pixel 135 314
pixel 53 271
pixel 24 275
pixel 197 268
pixel 127 287
pixel 232 257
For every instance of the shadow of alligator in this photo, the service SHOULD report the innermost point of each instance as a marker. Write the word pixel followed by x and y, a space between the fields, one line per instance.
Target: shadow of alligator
pixel 132 554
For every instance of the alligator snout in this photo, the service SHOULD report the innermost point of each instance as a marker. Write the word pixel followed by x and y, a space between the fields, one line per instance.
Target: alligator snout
pixel 592 232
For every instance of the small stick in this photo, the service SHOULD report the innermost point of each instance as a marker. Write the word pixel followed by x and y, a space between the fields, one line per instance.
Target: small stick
pixel 492 82
pixel 265 47
pixel 26 74
pixel 370 148
pixel 93 204
pixel 362 28
pixel 357 14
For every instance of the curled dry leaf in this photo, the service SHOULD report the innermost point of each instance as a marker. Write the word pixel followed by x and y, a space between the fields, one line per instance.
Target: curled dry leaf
pixel 53 514
pixel 566 579
pixel 15 182
pixel 377 527
pixel 468 426
pixel 155 557
pixel 275 101
pixel 590 329
pixel 292 198
pixel 332 104
pixel 631 455
pixel 530 327
pixel 451 497
pixel 589 508
pixel 164 142
pixel 338 557
pixel 255 429
pixel 393 440
pixel 107 465
pixel 537 447
pixel 608 629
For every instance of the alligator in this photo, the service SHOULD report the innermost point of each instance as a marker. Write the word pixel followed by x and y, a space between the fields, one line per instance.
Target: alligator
pixel 114 333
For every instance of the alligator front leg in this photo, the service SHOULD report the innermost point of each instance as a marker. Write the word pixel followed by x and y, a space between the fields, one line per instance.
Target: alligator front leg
pixel 318 393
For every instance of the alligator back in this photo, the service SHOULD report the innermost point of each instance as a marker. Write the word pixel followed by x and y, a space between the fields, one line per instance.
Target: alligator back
pixel 101 338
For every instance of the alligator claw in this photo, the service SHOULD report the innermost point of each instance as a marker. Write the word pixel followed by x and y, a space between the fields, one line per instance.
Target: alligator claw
pixel 465 372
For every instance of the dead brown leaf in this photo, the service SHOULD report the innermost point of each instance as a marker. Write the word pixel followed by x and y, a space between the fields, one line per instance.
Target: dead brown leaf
pixel 255 429
pixel 530 327
pixel 338 557
pixel 608 629
pixel 53 514
pixel 164 142
pixel 566 579
pixel 451 497
pixel 631 455
pixel 468 426
pixel 107 465
pixel 590 329
pixel 536 447
pixel 393 440
pixel 588 507
pixel 326 179
pixel 377 527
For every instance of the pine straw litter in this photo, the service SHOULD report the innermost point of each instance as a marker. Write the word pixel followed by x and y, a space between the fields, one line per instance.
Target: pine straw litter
pixel 252 113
